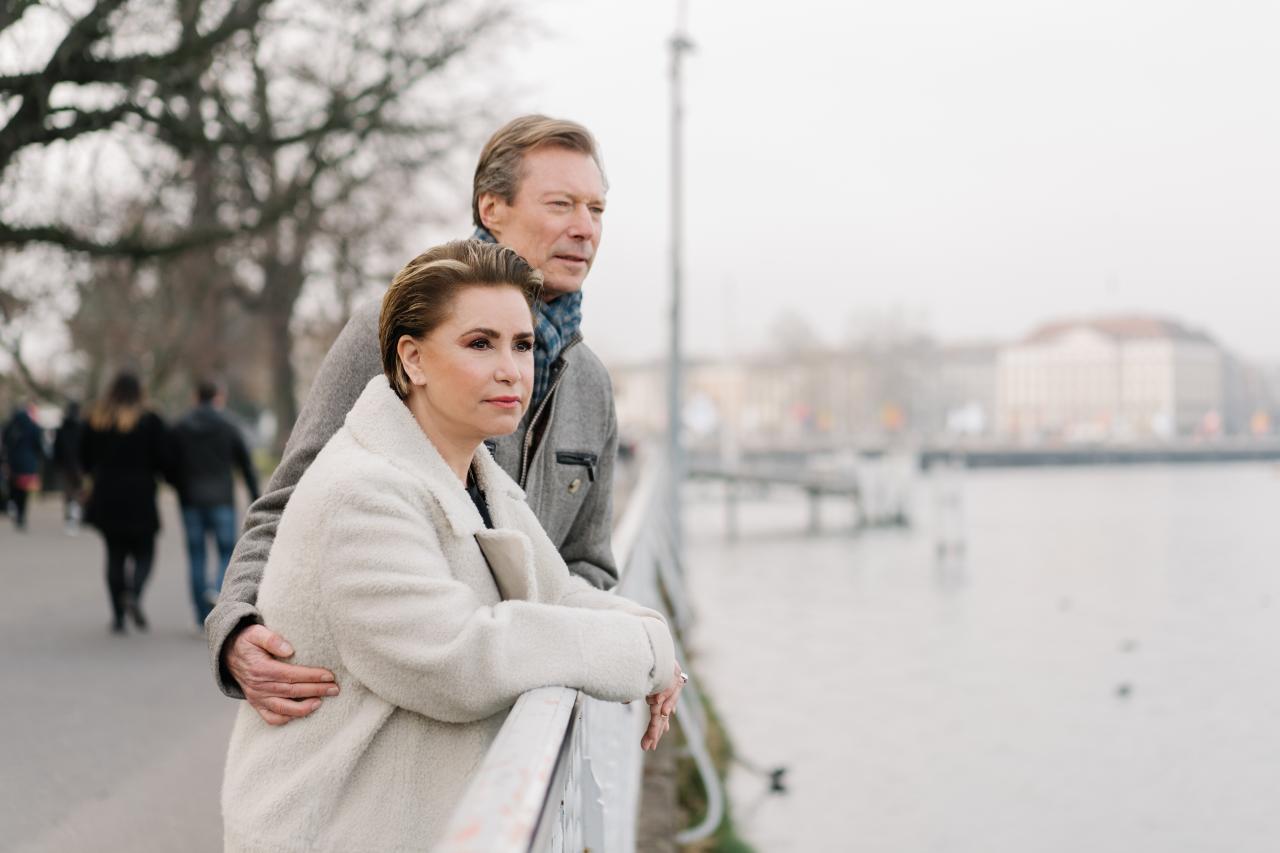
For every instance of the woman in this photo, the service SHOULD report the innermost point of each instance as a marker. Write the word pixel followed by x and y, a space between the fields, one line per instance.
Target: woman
pixel 408 564
pixel 124 452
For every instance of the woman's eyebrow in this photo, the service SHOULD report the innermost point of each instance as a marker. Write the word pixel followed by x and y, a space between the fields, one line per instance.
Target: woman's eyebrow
pixel 494 333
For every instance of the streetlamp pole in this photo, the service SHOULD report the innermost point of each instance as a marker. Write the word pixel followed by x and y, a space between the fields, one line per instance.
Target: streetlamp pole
pixel 679 45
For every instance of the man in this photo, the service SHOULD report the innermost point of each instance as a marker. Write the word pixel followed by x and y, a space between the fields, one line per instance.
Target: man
pixel 206 448
pixel 539 188
pixel 66 457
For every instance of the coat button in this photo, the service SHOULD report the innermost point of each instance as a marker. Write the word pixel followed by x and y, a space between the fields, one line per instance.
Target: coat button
pixel 575 485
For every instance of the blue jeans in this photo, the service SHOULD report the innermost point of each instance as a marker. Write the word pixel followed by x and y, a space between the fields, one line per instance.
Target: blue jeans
pixel 200 522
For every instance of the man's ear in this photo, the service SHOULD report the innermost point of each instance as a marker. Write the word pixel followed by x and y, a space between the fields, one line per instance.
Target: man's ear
pixel 409 349
pixel 493 212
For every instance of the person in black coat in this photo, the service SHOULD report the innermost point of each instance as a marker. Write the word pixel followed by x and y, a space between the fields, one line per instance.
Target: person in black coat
pixel 207 448
pixel 66 456
pixel 125 450
pixel 24 451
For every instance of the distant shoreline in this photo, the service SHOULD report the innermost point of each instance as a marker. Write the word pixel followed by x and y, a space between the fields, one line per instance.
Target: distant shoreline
pixel 992 455
pixel 1074 455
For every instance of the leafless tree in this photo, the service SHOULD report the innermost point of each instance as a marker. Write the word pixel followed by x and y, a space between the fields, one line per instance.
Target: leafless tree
pixel 214 158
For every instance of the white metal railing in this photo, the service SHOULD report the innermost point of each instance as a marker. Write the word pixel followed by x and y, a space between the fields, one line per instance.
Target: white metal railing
pixel 564 773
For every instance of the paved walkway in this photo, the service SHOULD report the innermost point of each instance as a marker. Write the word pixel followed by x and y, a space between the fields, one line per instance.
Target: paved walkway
pixel 108 743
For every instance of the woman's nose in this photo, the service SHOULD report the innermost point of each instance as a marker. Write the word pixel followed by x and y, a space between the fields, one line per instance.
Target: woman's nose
pixel 508 369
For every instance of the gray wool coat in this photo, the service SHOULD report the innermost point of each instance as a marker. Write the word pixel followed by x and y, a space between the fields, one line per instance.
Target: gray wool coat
pixel 384 572
pixel 566 473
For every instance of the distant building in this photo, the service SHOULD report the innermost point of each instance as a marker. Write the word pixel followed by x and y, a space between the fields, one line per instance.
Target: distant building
pixel 966 389
pixel 1105 379
pixel 1126 377
pixel 807 398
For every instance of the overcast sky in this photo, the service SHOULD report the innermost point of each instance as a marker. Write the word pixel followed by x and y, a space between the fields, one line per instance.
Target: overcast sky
pixel 983 166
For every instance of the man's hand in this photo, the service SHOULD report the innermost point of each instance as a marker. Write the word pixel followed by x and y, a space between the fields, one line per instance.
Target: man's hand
pixel 278 691
pixel 661 707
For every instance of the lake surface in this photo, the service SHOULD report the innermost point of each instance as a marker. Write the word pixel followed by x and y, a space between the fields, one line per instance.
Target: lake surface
pixel 1098 670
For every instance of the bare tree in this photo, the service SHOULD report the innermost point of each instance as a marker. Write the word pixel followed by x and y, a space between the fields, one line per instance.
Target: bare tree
pixel 95 80
pixel 349 187
pixel 268 144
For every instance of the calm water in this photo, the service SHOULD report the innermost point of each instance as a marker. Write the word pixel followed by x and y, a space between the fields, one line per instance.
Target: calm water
pixel 1099 672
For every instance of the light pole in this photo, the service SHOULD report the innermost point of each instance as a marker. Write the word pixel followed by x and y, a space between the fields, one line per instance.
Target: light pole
pixel 679 45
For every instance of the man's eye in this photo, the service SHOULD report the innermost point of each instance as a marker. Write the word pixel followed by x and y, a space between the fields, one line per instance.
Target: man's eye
pixel 561 204
pixel 598 211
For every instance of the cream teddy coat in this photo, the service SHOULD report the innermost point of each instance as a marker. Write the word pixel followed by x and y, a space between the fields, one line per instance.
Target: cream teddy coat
pixel 383 572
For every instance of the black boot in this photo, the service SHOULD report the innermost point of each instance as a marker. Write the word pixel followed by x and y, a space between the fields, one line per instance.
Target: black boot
pixel 119 607
pixel 139 619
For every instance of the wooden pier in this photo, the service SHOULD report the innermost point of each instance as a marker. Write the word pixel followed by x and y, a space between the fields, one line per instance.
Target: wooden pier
pixel 870 505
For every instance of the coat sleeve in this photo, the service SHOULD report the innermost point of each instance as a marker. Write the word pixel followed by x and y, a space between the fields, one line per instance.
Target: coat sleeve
pixel 87 451
pixel 411 633
pixel 572 590
pixel 165 458
pixel 240 452
pixel 350 363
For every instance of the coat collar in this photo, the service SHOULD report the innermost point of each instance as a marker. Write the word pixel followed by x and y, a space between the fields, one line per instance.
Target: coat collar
pixel 381 423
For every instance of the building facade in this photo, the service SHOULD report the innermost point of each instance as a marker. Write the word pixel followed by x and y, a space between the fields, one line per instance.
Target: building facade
pixel 1114 378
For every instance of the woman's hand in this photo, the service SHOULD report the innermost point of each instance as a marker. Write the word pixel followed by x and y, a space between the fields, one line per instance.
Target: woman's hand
pixel 661 707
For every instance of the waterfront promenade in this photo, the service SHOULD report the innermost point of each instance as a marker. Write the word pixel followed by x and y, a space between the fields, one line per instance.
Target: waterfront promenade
pixel 110 743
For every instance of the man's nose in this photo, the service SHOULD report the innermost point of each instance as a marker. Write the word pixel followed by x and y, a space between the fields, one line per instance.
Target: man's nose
pixel 582 225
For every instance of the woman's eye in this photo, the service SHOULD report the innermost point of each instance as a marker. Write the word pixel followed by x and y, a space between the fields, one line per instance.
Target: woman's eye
pixel 524 346
pixel 479 343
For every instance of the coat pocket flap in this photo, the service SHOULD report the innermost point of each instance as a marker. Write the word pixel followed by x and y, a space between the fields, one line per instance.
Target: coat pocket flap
pixel 510 557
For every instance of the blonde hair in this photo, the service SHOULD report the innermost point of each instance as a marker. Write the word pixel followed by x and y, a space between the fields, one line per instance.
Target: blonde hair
pixel 121 407
pixel 422 293
pixel 498 170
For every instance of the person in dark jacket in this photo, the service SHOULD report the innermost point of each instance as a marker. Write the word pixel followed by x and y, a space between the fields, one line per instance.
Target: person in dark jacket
pixel 207 446
pixel 25 454
pixel 125 451
pixel 66 456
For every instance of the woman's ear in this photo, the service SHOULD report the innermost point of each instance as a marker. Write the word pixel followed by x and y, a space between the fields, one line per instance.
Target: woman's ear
pixel 409 350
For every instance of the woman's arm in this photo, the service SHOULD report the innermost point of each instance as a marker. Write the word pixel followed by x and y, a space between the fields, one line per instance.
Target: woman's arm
pixel 573 590
pixel 422 640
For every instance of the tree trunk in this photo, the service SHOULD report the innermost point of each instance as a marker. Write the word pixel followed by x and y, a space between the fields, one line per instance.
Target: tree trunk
pixel 284 402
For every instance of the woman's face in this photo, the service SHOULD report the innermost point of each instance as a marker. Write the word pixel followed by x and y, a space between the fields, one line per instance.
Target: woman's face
pixel 472 375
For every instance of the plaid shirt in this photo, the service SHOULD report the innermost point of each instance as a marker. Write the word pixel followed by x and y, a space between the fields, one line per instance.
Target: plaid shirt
pixel 555 324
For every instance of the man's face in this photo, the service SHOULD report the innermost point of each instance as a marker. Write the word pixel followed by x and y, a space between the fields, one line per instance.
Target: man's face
pixel 554 222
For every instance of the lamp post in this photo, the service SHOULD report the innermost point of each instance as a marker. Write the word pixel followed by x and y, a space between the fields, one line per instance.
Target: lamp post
pixel 679 45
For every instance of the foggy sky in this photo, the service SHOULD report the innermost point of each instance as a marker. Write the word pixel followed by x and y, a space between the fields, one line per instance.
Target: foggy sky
pixel 983 166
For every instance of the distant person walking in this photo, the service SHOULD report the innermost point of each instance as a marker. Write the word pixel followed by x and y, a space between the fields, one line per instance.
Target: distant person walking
pixel 207 446
pixel 66 457
pixel 25 454
pixel 124 451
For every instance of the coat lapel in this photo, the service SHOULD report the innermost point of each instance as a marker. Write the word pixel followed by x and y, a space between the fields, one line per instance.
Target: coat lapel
pixel 381 423
pixel 510 557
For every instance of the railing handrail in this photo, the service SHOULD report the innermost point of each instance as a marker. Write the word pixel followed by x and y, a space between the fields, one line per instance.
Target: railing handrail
pixel 501 807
